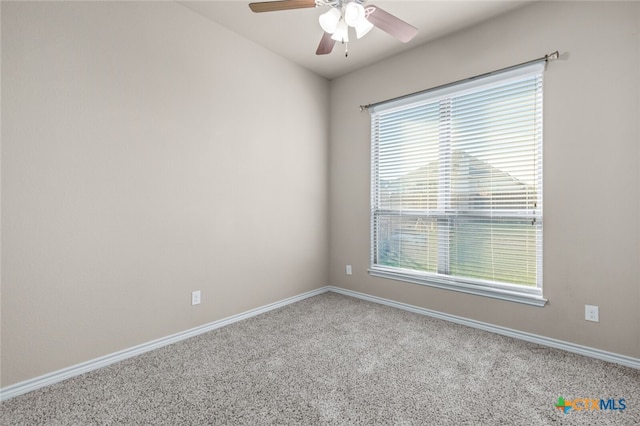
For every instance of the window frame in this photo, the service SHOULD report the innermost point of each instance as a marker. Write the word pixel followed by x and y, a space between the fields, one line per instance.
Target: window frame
pixel 504 291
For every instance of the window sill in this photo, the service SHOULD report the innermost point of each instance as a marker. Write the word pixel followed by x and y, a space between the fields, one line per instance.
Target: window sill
pixel 528 298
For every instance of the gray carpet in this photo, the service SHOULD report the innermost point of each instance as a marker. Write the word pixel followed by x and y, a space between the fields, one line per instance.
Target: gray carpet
pixel 336 360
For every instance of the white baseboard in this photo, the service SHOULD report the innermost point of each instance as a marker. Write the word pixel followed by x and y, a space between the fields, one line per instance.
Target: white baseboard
pixel 75 370
pixel 529 337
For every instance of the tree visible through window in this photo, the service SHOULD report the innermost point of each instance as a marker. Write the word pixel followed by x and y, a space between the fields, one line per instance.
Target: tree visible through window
pixel 457 185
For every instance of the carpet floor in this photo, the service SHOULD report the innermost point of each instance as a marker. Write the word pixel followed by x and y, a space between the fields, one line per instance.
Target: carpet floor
pixel 336 360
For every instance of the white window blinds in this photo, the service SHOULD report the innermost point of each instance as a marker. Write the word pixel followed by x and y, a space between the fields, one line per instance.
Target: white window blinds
pixel 457 186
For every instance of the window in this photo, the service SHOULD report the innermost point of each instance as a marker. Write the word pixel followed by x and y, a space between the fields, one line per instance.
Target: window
pixel 456 186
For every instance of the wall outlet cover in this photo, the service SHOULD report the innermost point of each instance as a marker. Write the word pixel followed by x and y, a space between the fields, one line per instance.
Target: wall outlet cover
pixel 195 297
pixel 591 313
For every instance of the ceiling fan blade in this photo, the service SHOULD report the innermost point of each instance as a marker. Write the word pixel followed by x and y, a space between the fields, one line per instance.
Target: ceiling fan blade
pixel 326 44
pixel 272 6
pixel 390 24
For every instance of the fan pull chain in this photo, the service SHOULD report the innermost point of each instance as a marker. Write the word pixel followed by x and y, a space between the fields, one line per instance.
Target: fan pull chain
pixel 346 49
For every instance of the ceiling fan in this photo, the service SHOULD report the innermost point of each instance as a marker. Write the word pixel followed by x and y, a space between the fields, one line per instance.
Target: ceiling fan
pixel 344 14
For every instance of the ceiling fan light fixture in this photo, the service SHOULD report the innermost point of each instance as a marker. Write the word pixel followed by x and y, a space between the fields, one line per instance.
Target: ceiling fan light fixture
pixel 341 33
pixel 354 14
pixel 363 28
pixel 329 20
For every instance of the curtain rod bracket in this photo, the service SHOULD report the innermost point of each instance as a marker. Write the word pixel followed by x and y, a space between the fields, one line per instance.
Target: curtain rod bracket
pixel 552 56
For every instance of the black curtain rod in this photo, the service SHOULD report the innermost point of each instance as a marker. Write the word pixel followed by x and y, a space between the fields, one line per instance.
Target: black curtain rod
pixel 550 57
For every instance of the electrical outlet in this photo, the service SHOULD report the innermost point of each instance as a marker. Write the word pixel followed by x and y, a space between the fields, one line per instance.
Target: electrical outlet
pixel 591 313
pixel 195 297
pixel 349 270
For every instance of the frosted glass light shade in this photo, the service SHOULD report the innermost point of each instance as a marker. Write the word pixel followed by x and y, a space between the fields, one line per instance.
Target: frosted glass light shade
pixel 329 20
pixel 353 14
pixel 341 33
pixel 363 28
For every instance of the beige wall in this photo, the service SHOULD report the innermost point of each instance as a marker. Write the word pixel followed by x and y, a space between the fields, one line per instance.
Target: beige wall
pixel 146 153
pixel 591 178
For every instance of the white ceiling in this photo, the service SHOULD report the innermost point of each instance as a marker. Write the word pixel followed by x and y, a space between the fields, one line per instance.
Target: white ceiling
pixel 295 34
